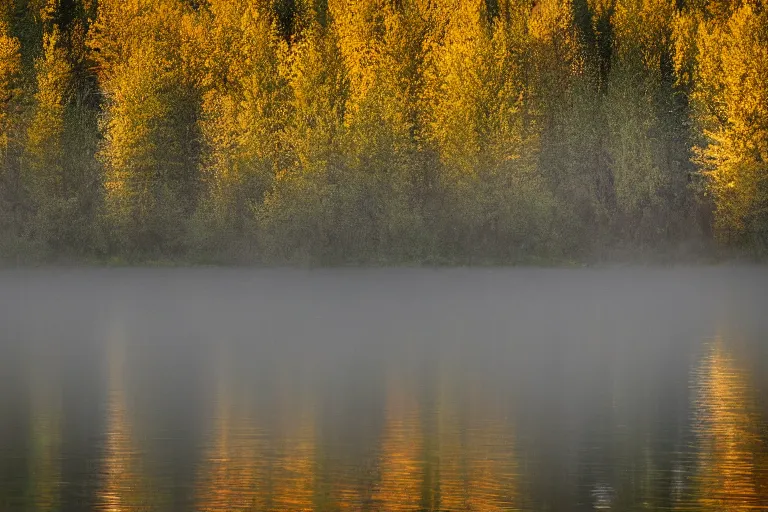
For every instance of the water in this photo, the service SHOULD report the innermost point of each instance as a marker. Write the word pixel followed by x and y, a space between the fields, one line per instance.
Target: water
pixel 621 389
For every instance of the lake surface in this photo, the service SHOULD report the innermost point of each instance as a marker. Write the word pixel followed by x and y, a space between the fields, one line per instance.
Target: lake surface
pixel 452 389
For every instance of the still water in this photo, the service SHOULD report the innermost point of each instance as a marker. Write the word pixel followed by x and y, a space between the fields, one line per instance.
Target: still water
pixel 488 390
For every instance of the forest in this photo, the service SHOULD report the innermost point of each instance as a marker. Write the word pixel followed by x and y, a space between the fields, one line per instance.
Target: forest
pixel 381 131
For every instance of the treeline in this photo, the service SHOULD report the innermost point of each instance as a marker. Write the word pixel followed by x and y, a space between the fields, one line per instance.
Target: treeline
pixel 332 131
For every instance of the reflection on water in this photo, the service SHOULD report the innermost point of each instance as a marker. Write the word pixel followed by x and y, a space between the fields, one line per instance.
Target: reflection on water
pixel 727 430
pixel 401 463
pixel 446 441
pixel 477 467
pixel 45 425
pixel 339 407
pixel 295 465
pixel 469 464
pixel 124 480
pixel 233 475
pixel 259 458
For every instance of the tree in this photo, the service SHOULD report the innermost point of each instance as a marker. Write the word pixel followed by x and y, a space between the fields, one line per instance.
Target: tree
pixel 380 46
pixel 45 176
pixel 243 110
pixel 298 218
pixel 61 174
pixel 730 99
pixel 379 130
pixel 566 103
pixel 647 141
pixel 10 137
pixel 481 119
pixel 150 136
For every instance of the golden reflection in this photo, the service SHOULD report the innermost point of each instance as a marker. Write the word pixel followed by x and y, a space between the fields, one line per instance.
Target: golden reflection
pixel 124 488
pixel 347 471
pixel 491 468
pixel 349 485
pixel 402 452
pixel 294 471
pixel 450 466
pixel 45 459
pixel 725 426
pixel 250 467
pixel 477 466
pixel 233 475
pixel 348 498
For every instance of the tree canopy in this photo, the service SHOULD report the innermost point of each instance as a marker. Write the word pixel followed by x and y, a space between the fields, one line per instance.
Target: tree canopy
pixel 364 131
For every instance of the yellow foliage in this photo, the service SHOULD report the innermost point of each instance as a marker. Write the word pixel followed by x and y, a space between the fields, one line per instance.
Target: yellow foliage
pixel 244 106
pixel 44 11
pixel 684 27
pixel 732 107
pixel 359 25
pixel 140 151
pixel 379 51
pixel 642 33
pixel 6 13
pixel 461 120
pixel 475 85
pixel 552 28
pixel 642 42
pixel 130 152
pixel 125 25
pixel 10 68
pixel 12 122
pixel 480 115
pixel 318 85
pixel 457 81
pixel 44 139
pixel 601 7
pixel 555 55
pixel 141 49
